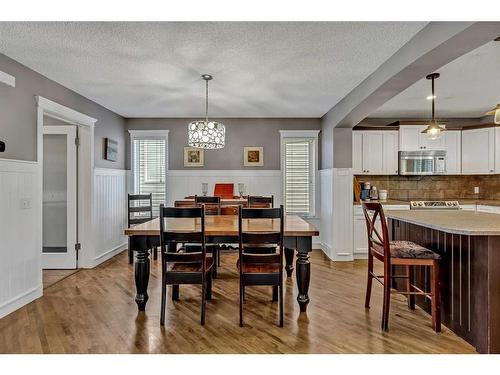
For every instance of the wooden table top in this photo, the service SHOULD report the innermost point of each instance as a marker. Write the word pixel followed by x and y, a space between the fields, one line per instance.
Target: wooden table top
pixel 225 225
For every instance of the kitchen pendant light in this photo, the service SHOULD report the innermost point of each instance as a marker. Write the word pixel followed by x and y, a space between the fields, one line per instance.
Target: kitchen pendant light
pixel 203 133
pixel 495 112
pixel 433 130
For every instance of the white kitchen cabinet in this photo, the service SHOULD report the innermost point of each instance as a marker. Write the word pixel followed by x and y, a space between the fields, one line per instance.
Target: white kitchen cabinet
pixel 478 151
pixel 452 144
pixel 375 152
pixel 411 138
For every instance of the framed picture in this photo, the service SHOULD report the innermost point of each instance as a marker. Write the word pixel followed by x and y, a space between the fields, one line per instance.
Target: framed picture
pixel 193 157
pixel 253 156
pixel 110 149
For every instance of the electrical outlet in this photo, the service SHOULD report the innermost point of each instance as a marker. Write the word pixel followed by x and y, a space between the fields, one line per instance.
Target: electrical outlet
pixel 476 189
pixel 25 203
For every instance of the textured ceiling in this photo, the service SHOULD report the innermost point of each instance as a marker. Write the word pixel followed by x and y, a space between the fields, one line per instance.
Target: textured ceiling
pixel 468 87
pixel 261 69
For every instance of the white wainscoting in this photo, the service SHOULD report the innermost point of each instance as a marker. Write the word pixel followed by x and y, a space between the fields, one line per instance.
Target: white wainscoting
pixel 184 182
pixel 109 214
pixel 326 225
pixel 342 215
pixel 20 231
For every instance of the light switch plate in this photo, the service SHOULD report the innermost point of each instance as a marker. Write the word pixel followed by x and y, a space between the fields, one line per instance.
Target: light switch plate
pixel 476 189
pixel 25 203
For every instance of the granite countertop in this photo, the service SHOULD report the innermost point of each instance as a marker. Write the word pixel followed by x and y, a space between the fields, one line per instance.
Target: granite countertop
pixel 389 202
pixel 461 201
pixel 451 221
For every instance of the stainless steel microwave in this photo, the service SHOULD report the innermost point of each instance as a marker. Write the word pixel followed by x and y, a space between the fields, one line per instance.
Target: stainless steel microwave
pixel 422 162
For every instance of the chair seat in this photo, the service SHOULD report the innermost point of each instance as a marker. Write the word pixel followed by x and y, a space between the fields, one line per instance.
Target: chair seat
pixel 191 267
pixel 408 250
pixel 259 267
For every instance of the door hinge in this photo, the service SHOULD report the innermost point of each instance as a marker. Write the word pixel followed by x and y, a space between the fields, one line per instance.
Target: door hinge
pixel 77 141
pixel 78 246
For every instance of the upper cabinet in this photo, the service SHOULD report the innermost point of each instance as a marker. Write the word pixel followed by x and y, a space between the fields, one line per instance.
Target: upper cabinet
pixel 452 144
pixel 375 152
pixel 411 138
pixel 478 151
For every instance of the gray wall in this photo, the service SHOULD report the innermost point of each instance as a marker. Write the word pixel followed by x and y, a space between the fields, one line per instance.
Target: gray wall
pixel 18 114
pixel 239 133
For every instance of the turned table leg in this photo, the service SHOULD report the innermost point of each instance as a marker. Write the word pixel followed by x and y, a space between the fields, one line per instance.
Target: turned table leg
pixel 303 274
pixel 289 261
pixel 142 278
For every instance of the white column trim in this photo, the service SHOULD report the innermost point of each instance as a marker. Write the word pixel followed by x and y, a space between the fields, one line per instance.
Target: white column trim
pixel 7 79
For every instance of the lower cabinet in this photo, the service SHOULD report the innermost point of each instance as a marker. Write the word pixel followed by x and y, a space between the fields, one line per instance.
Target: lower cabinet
pixel 360 234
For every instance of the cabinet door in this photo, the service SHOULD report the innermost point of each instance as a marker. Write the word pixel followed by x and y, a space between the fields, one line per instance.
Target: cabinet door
pixel 373 152
pixel 478 151
pixel 357 152
pixel 409 137
pixel 360 237
pixel 390 152
pixel 452 140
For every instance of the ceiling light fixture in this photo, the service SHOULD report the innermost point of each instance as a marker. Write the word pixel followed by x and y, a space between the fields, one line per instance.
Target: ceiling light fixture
pixel 203 133
pixel 495 112
pixel 433 130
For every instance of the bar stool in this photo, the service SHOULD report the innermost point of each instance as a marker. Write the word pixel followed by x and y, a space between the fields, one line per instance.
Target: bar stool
pixel 398 253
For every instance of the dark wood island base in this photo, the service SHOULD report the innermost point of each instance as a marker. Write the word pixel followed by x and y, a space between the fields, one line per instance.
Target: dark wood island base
pixel 469 278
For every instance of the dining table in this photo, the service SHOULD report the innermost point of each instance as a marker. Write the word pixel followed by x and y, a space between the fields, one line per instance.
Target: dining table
pixel 223 229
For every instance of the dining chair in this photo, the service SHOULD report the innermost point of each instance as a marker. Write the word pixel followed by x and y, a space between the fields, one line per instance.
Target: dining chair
pixel 179 267
pixel 212 207
pixel 259 201
pixel 139 210
pixel 398 253
pixel 258 228
pixel 224 190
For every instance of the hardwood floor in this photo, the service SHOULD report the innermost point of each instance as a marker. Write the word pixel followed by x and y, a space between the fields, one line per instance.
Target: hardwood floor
pixel 50 277
pixel 93 311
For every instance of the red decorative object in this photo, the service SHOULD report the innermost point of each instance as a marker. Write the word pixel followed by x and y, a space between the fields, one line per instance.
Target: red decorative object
pixel 225 191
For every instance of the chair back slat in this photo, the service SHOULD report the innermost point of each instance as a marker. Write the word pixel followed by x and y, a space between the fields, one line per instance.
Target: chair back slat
pixel 261 258
pixel 261 213
pixel 184 257
pixel 181 212
pixel 260 202
pixel 137 213
pixel 261 238
pixel 180 237
pixel 374 214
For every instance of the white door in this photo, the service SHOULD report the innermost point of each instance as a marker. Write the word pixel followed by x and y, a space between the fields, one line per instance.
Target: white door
pixel 409 138
pixel 357 152
pixel 59 197
pixel 478 151
pixel 391 152
pixel 452 140
pixel 373 152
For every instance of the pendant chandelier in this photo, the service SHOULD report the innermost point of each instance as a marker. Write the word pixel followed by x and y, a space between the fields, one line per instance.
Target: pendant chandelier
pixel 495 112
pixel 433 130
pixel 203 133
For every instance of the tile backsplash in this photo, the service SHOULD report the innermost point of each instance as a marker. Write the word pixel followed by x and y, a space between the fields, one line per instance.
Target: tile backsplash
pixel 436 187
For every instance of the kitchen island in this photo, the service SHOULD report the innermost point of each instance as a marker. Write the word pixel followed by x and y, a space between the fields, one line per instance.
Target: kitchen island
pixel 469 245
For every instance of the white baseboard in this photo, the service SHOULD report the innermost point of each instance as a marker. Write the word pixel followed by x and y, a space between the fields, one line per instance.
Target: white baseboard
pixel 21 300
pixel 108 255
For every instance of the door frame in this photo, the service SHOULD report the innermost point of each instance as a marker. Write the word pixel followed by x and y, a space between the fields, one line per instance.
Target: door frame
pixel 67 260
pixel 85 125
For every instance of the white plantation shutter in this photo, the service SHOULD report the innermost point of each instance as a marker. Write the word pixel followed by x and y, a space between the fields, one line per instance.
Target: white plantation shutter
pixel 298 176
pixel 150 169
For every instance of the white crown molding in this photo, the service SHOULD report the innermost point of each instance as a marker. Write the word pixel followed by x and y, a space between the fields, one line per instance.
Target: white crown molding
pixel 7 79
pixel 64 113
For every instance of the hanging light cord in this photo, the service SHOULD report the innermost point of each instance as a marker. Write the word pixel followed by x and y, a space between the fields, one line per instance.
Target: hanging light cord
pixel 433 100
pixel 206 101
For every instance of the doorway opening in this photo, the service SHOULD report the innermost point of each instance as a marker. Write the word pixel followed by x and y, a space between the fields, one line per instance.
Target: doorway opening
pixel 60 192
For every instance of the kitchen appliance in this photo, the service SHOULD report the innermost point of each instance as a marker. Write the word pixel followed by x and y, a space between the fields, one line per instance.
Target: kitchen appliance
pixel 422 162
pixel 382 195
pixel 442 205
pixel 374 193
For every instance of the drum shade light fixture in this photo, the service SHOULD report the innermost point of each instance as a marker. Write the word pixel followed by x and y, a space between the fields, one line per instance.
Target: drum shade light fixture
pixel 204 133
pixel 433 130
pixel 495 112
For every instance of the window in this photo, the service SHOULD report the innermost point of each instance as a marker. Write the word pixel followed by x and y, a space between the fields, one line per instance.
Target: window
pixel 299 160
pixel 149 164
